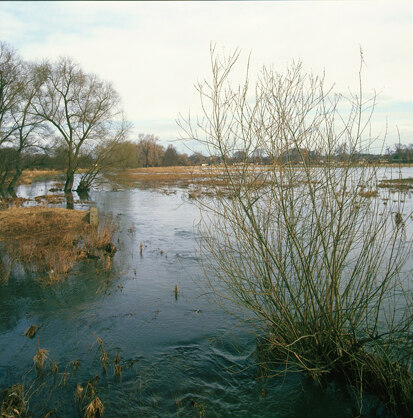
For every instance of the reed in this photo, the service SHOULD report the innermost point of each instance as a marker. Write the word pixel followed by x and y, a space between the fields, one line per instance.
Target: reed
pixel 40 357
pixel 176 292
pixel 95 408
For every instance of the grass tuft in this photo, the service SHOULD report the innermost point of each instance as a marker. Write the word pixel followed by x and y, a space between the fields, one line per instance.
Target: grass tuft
pixel 95 408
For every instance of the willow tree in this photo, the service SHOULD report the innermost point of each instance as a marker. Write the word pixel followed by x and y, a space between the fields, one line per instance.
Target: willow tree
pixel 300 244
pixel 83 110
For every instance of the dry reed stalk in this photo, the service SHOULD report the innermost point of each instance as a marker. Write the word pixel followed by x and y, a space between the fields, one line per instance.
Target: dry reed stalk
pixel 55 369
pixel 104 359
pixel 118 370
pixel 90 390
pixel 79 392
pixel 40 357
pixel 94 409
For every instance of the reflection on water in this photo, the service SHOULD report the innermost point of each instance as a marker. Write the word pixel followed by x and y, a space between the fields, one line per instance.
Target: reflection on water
pixel 180 356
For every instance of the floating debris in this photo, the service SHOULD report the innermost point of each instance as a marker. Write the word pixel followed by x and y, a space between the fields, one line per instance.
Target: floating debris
pixel 31 331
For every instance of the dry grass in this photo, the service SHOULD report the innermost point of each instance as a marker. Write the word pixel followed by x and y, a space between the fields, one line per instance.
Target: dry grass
pixel 51 199
pixel 13 404
pixel 398 184
pixel 95 408
pixel 17 202
pixel 182 176
pixel 40 357
pixel 369 193
pixel 29 176
pixel 52 240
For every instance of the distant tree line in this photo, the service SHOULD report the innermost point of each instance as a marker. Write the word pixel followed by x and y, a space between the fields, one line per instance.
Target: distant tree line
pixel 55 115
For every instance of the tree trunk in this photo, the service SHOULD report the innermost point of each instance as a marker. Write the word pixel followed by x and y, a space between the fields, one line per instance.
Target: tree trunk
pixel 13 181
pixel 70 176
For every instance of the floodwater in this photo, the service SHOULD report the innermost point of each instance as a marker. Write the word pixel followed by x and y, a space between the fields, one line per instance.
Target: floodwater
pixel 181 355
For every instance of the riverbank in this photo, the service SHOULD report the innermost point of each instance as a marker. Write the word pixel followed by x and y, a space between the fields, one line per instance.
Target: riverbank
pixel 49 241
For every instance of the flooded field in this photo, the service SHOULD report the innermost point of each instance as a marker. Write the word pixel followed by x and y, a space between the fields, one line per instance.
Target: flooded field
pixel 144 336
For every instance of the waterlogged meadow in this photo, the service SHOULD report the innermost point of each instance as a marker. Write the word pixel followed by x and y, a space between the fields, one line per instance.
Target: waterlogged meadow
pixel 142 337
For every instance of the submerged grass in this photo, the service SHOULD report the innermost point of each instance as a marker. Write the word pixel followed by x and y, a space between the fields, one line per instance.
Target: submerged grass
pixel 13 404
pixel 52 240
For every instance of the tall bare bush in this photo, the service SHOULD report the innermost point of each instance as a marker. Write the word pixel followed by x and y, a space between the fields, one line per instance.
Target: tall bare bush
pixel 297 243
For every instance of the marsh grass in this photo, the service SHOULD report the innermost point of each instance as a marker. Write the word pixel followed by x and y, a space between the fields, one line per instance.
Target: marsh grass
pixel 51 199
pixel 13 404
pixel 369 193
pixel 51 240
pixel 400 184
pixel 40 357
pixel 95 408
pixel 29 176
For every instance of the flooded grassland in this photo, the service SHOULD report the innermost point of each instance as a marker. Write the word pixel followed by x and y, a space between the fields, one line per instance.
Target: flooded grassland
pixel 141 337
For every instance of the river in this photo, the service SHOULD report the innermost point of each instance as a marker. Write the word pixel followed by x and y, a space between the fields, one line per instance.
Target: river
pixel 181 355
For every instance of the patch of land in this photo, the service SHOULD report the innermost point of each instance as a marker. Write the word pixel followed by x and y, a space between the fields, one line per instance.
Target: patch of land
pixel 182 176
pixel 30 176
pixel 400 184
pixel 50 241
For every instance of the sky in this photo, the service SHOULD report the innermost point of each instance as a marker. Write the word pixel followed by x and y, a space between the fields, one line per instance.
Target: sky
pixel 155 52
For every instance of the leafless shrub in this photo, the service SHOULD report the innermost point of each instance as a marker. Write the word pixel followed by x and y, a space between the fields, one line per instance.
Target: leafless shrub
pixel 297 244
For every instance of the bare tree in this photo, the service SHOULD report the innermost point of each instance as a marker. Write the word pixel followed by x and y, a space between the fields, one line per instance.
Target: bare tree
pixel 80 107
pixel 20 129
pixel 11 87
pixel 316 263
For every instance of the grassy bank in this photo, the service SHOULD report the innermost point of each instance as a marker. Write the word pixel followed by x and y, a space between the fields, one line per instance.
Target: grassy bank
pixel 50 241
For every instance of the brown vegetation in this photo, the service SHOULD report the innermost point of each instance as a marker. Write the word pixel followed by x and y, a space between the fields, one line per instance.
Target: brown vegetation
pixel 51 240
pixel 398 184
pixel 29 176
pixel 31 331
pixel 95 408
pixel 13 404
pixel 163 176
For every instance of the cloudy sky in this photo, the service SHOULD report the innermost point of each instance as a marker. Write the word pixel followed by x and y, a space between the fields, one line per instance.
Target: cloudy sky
pixel 154 52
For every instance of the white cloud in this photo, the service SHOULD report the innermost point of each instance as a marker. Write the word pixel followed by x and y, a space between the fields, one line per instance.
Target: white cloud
pixel 154 52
